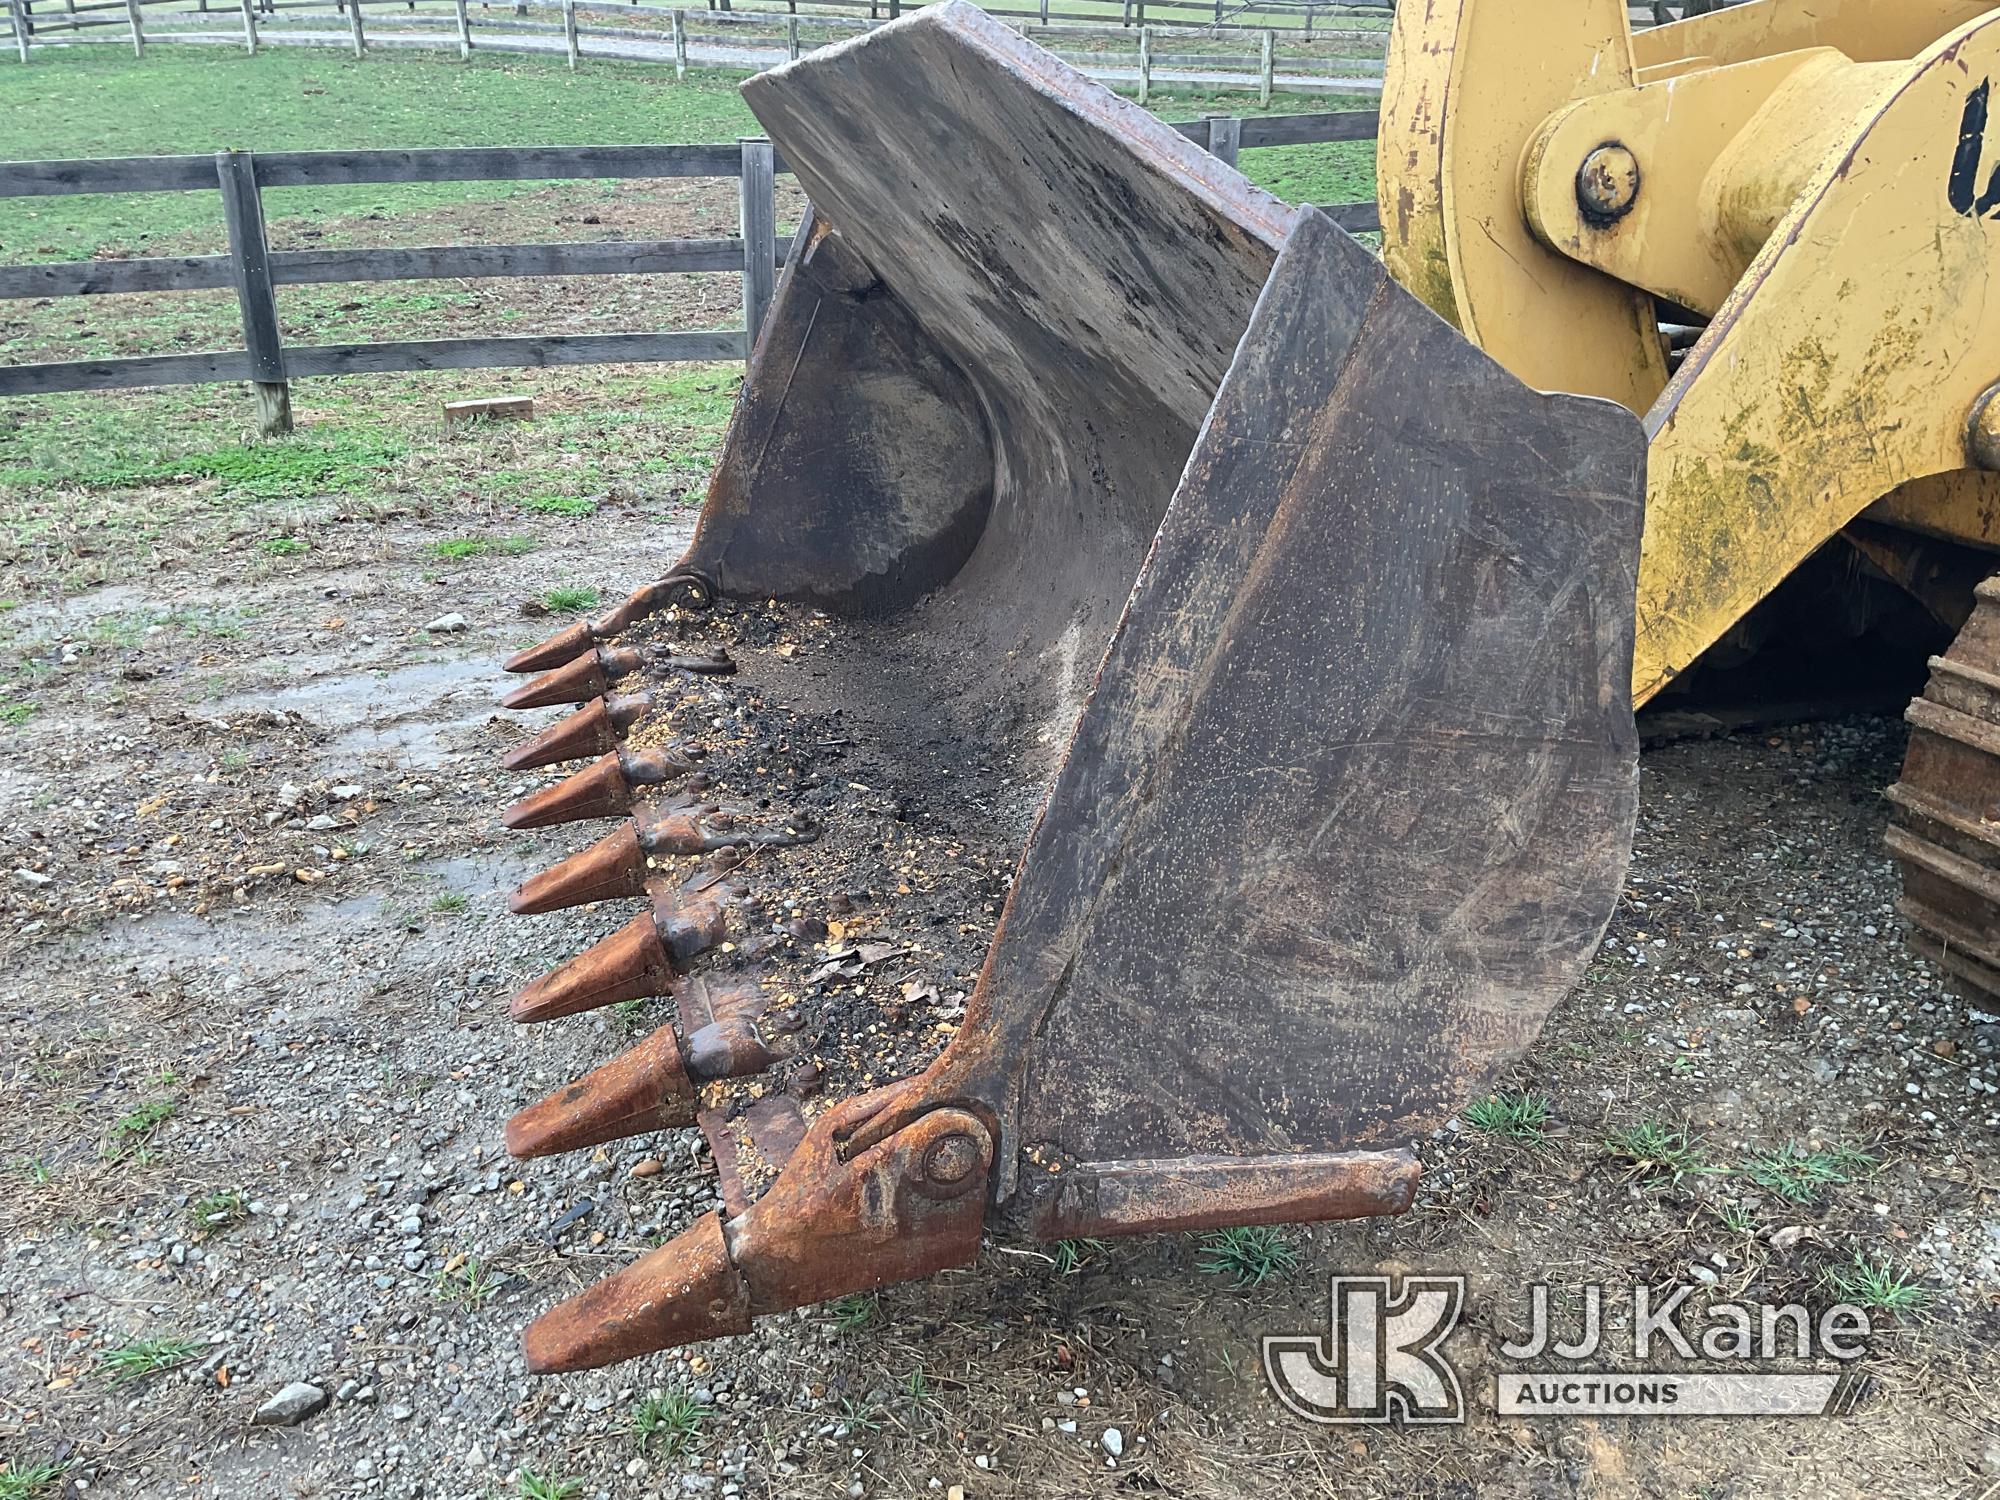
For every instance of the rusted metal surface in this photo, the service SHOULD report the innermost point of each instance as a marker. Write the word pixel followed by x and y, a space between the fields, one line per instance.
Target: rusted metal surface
pixel 590 731
pixel 589 676
pixel 606 789
pixel 646 1088
pixel 631 964
pixel 1945 833
pixel 1338 794
pixel 1209 1192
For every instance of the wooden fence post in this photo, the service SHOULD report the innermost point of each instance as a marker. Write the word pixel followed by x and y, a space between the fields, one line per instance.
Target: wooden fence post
pixel 464 31
pixel 758 216
pixel 250 27
pixel 354 27
pixel 20 21
pixel 1225 137
pixel 1218 12
pixel 1145 63
pixel 569 33
pixel 792 36
pixel 680 45
pixel 138 30
pixel 1264 69
pixel 250 267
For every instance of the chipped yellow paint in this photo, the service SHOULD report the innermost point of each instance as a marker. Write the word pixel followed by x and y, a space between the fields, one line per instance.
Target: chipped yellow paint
pixel 1856 307
pixel 1865 30
pixel 1468 84
pixel 1843 365
pixel 1722 154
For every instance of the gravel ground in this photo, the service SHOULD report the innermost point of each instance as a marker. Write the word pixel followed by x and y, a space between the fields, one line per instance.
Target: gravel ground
pixel 259 1062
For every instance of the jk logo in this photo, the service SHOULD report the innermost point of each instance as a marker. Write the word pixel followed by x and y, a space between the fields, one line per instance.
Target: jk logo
pixel 1378 1360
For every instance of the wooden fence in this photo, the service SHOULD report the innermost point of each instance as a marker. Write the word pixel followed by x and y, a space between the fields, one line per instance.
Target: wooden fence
pixel 1299 46
pixel 255 271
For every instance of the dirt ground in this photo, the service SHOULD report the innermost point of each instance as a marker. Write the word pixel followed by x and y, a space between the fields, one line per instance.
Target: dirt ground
pixel 258 1062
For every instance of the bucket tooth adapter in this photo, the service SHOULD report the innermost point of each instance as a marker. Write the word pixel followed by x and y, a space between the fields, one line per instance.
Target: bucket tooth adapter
pixel 1302 629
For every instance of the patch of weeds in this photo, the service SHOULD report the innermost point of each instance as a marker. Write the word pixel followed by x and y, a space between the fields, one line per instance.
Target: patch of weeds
pixel 858 1417
pixel 285 470
pixel 1652 1148
pixel 548 1487
pixel 217 1212
pixel 569 600
pixel 458 548
pixel 450 901
pixel 1799 1176
pixel 235 760
pixel 143 1357
pixel 282 546
pixel 631 1014
pixel 14 715
pixel 1522 1116
pixel 667 1425
pixel 37 1171
pixel 560 505
pixel 19 1481
pixel 917 1389
pixel 1880 1287
pixel 130 1131
pixel 1737 1219
pixel 471 1282
pixel 1073 1256
pixel 1249 1255
pixel 850 1314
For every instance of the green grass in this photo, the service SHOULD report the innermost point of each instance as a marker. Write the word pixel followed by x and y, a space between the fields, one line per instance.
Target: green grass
pixel 143 1357
pixel 26 1481
pixel 1074 1256
pixel 1799 1175
pixel 472 1284
pixel 450 902
pixel 851 1314
pixel 569 600
pixel 548 1487
pixel 460 547
pixel 95 103
pixel 560 505
pixel 1517 1116
pixel 666 1426
pixel 14 715
pixel 1653 1149
pixel 216 1212
pixel 137 1124
pixel 282 546
pixel 1880 1287
pixel 1249 1255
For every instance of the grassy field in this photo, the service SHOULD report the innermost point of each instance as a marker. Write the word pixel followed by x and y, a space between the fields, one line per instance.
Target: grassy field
pixel 100 103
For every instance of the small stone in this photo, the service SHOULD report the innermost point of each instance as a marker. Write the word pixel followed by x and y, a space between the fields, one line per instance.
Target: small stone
pixel 449 624
pixel 321 822
pixel 1114 1442
pixel 291 1406
pixel 650 1167
pixel 344 793
pixel 32 877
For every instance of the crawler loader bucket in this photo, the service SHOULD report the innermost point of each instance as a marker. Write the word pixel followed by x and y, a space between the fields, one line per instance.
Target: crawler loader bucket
pixel 1117 599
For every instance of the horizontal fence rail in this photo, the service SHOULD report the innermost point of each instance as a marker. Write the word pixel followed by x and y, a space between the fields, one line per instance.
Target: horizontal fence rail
pixel 1301 47
pixel 255 271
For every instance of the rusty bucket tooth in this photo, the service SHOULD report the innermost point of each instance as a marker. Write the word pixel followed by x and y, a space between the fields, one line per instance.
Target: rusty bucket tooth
pixel 613 866
pixel 706 831
pixel 590 731
pixel 588 676
pixel 642 1089
pixel 688 1289
pixel 631 964
pixel 565 645
pixel 600 790
pixel 906 1206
